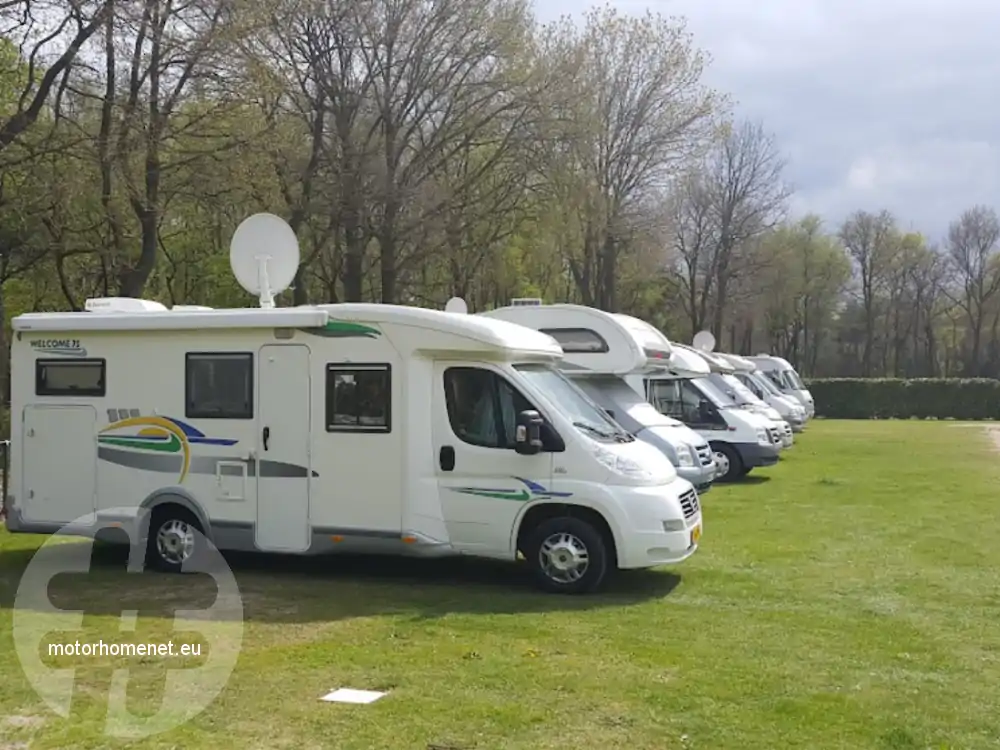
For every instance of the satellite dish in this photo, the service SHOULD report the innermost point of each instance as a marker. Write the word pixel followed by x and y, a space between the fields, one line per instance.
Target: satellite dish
pixel 704 341
pixel 457 305
pixel 264 256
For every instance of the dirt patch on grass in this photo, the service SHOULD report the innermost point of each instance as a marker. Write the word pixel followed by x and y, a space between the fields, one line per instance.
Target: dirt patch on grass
pixel 993 431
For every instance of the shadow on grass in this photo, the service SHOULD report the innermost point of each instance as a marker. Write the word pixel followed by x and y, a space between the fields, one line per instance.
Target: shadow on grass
pixel 753 479
pixel 300 589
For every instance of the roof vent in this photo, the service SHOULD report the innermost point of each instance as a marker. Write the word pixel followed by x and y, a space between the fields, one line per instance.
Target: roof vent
pixel 525 302
pixel 122 305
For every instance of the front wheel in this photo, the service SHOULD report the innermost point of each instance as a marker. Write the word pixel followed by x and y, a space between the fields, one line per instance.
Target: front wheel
pixel 567 555
pixel 728 461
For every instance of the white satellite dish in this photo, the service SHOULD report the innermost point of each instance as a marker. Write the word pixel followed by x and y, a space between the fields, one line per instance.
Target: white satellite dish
pixel 264 256
pixel 704 341
pixel 457 305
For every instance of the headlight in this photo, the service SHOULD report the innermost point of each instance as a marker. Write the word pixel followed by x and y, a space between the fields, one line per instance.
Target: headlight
pixel 622 466
pixel 762 436
pixel 684 457
pixel 674 524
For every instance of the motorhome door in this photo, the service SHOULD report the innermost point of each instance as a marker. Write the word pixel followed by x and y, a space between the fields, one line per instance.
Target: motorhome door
pixel 284 465
pixel 484 482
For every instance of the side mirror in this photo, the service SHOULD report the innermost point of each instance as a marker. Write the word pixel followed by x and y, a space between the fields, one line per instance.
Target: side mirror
pixel 528 433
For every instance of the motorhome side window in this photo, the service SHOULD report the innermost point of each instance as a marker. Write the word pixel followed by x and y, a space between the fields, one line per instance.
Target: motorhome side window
pixel 219 385
pixel 358 398
pixel 62 377
pixel 482 406
pixel 680 400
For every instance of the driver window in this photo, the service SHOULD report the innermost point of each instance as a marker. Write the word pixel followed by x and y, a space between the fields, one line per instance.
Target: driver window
pixel 482 406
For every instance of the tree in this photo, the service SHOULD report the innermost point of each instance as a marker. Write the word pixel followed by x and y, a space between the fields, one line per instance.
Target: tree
pixel 972 250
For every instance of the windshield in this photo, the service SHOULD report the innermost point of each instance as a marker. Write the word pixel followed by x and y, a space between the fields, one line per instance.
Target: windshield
pixel 792 378
pixel 725 389
pixel 622 399
pixel 708 389
pixel 744 394
pixel 585 415
pixel 765 383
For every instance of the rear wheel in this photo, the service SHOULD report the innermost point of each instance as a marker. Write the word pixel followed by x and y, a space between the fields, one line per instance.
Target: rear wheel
pixel 728 461
pixel 567 555
pixel 175 539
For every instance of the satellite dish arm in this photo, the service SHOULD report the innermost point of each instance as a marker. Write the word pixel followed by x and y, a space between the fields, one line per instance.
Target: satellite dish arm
pixel 266 298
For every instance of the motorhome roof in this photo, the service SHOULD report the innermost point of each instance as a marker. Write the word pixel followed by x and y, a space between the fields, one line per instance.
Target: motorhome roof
pixel 741 364
pixel 770 359
pixel 594 341
pixel 714 362
pixel 687 362
pixel 485 333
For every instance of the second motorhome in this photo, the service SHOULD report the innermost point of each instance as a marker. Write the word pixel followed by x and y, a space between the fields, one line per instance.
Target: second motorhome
pixel 601 350
pixel 740 439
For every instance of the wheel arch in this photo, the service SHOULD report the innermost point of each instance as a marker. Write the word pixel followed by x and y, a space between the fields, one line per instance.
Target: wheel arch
pixel 181 498
pixel 535 513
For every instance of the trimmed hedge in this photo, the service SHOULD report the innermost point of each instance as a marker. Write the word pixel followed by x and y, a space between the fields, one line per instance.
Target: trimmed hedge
pixel 897 398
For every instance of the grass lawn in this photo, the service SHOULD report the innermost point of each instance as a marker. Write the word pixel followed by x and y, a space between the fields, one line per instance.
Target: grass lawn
pixel 846 598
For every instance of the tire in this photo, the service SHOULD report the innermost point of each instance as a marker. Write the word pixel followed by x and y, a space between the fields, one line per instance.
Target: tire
pixel 730 460
pixel 553 543
pixel 174 540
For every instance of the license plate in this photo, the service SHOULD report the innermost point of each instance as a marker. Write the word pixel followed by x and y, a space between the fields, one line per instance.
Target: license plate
pixel 696 534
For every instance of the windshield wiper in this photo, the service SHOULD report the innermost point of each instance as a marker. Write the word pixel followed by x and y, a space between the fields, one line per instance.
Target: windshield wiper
pixel 594 430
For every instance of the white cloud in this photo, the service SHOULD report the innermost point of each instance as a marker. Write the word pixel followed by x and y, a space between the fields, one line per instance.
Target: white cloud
pixel 885 104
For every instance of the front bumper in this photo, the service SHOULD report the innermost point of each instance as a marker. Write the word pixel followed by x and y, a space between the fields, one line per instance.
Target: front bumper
pixel 754 454
pixel 700 476
pixel 645 542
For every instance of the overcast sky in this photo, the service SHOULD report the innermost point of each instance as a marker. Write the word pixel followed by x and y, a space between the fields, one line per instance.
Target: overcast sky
pixel 878 104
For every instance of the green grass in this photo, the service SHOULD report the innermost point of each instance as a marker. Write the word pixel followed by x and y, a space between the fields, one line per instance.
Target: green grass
pixel 846 598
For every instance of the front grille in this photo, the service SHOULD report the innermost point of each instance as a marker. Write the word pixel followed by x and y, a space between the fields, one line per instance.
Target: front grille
pixel 705 457
pixel 773 435
pixel 787 428
pixel 689 503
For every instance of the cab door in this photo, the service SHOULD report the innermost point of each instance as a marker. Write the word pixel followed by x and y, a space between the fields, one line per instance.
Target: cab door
pixel 484 483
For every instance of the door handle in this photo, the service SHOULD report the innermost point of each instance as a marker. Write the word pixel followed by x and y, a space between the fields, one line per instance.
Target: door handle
pixel 266 436
pixel 446 458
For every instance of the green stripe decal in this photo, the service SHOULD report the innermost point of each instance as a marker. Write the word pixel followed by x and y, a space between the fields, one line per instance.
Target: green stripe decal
pixel 508 495
pixel 340 329
pixel 173 445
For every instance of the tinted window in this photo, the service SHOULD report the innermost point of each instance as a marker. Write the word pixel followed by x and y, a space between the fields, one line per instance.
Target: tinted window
pixel 219 385
pixel 358 398
pixel 482 406
pixel 578 340
pixel 62 377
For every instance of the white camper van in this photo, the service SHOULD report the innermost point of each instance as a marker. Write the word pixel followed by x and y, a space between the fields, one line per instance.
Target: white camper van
pixel 354 427
pixel 764 390
pixel 722 378
pixel 740 439
pixel 602 348
pixel 784 376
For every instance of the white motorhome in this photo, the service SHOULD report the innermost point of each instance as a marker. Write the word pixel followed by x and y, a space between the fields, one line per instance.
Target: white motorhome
pixel 602 348
pixel 764 390
pixel 740 439
pixel 722 377
pixel 316 429
pixel 787 380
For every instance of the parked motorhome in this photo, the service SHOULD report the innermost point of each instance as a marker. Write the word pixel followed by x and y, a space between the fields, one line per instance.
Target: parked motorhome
pixel 740 439
pixel 602 348
pixel 722 377
pixel 787 380
pixel 316 429
pixel 764 390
